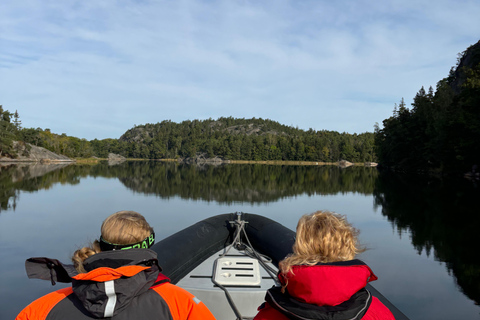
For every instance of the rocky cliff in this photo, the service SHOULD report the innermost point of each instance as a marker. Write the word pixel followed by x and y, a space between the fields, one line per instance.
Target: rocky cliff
pixel 29 153
pixel 469 60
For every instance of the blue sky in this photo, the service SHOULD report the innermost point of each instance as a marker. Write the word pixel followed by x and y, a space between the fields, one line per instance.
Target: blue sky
pixel 94 69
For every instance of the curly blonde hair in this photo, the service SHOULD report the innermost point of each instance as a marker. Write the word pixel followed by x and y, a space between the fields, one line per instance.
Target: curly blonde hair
pixel 322 237
pixel 122 227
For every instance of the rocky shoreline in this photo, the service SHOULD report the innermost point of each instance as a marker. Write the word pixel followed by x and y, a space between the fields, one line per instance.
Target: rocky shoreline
pixel 27 152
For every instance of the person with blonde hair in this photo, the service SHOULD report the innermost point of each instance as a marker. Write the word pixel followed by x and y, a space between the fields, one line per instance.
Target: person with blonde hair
pixel 117 277
pixel 321 279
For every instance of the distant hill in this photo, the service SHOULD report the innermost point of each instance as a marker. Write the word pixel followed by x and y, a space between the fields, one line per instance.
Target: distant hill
pixel 211 140
pixel 224 126
pixel 240 139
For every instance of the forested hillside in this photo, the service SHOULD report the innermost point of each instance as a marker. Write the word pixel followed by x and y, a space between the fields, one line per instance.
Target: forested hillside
pixel 442 129
pixel 238 139
pixel 227 138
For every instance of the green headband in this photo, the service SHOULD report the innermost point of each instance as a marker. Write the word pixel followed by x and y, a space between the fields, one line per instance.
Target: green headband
pixel 145 244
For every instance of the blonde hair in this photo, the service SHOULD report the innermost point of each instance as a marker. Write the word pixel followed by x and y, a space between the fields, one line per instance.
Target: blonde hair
pixel 322 237
pixel 122 227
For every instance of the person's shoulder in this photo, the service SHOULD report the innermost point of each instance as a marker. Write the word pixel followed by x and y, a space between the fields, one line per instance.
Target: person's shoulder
pixel 173 289
pixel 42 306
pixel 175 294
pixel 377 311
pixel 183 304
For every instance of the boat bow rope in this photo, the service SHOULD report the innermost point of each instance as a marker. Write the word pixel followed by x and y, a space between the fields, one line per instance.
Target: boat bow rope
pixel 247 248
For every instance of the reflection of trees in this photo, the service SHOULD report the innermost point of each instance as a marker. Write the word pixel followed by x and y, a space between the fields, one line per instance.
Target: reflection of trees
pixel 246 183
pixel 227 183
pixel 33 177
pixel 8 193
pixel 441 215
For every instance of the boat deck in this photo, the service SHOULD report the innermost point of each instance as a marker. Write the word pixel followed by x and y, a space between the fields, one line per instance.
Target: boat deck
pixel 243 277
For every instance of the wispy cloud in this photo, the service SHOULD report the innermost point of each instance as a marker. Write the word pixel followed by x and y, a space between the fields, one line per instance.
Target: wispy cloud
pixel 93 69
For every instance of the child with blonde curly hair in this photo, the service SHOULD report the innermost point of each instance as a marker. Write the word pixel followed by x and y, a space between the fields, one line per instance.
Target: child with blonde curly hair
pixel 321 279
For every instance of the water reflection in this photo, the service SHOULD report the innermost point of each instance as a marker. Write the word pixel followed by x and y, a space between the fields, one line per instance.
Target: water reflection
pixel 440 217
pixel 443 219
pixel 223 184
pixel 27 177
pixel 245 183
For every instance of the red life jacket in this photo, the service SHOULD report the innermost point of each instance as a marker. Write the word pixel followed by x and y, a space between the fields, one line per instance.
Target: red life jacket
pixel 325 291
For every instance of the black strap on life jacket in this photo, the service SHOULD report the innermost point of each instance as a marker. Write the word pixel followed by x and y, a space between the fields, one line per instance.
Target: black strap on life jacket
pixel 354 308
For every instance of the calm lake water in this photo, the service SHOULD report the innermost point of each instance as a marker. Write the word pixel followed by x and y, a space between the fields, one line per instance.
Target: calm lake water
pixel 422 234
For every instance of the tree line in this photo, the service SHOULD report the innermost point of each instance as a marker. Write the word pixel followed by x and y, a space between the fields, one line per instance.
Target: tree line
pixel 442 129
pixel 227 137
pixel 239 139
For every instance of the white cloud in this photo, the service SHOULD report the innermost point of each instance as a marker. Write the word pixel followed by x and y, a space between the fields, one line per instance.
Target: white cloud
pixel 94 68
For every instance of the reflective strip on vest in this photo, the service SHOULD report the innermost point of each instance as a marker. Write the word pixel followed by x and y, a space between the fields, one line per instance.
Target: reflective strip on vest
pixel 112 299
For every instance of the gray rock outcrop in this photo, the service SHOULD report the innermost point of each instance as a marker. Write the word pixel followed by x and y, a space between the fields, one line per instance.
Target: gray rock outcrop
pixel 114 159
pixel 27 152
pixel 344 164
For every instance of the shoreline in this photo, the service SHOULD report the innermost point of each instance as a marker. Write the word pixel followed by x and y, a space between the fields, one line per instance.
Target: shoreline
pixel 214 162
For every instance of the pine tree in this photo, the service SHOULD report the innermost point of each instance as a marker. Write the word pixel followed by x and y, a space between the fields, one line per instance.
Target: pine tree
pixel 16 121
pixel 6 133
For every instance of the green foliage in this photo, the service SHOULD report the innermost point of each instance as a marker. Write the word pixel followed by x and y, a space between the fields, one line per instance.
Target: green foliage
pixel 442 130
pixel 61 144
pixel 11 130
pixel 227 138
pixel 8 133
pixel 243 139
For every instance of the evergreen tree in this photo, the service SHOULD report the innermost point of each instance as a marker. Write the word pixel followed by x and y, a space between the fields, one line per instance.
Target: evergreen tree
pixel 7 133
pixel 16 121
pixel 442 131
